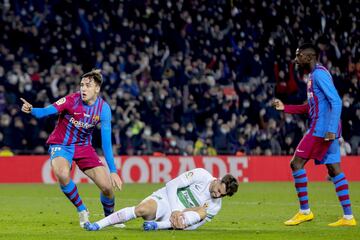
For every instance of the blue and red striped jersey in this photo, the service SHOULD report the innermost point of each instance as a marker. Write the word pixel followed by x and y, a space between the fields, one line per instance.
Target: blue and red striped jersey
pixel 323 103
pixel 77 121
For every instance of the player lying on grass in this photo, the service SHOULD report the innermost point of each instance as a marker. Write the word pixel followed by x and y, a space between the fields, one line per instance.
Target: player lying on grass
pixel 186 202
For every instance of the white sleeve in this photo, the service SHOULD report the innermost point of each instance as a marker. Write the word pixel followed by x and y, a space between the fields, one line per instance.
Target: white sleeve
pixel 183 180
pixel 209 216
pixel 213 209
pixel 196 225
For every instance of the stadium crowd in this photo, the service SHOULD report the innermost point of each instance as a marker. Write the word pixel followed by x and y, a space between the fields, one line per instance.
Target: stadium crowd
pixel 188 77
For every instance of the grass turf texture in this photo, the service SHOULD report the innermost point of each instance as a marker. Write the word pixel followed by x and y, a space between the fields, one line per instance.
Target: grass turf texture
pixel 257 211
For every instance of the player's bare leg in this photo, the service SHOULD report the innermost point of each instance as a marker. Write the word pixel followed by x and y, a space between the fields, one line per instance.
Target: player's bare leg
pixel 297 166
pixel 101 178
pixel 146 209
pixel 61 169
pixel 342 191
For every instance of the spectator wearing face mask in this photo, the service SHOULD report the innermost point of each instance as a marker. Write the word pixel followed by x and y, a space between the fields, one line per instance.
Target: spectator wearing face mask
pixel 221 138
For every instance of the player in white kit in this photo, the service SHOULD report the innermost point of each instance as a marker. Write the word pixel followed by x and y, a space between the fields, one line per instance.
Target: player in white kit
pixel 186 202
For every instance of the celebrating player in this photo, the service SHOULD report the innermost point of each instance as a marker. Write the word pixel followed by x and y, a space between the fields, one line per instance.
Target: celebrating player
pixel 186 202
pixel 79 113
pixel 321 139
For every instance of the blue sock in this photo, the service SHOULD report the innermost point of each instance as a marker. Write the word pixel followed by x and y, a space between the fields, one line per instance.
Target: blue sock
pixel 108 204
pixel 342 191
pixel 300 180
pixel 72 194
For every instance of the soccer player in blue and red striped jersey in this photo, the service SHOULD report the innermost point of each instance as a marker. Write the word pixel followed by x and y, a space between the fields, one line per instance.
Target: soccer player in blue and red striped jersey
pixel 321 141
pixel 79 113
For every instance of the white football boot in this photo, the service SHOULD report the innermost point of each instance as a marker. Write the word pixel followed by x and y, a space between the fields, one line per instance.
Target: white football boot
pixel 84 217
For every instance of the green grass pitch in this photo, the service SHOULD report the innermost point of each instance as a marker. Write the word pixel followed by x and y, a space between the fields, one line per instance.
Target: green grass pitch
pixel 257 211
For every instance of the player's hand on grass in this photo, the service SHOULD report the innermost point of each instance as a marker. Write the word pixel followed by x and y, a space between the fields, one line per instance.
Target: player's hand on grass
pixel 116 181
pixel 278 105
pixel 26 107
pixel 177 220
pixel 329 136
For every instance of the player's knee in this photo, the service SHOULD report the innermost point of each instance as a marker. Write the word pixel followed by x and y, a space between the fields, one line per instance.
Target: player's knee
pixel 293 165
pixel 333 170
pixel 62 174
pixel 107 191
pixel 296 164
pixel 141 210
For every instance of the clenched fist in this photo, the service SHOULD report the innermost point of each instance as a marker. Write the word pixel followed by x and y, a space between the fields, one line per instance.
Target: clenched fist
pixel 278 104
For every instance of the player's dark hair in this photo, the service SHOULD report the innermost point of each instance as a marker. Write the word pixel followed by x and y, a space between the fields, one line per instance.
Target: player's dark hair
pixel 231 184
pixel 95 75
pixel 309 46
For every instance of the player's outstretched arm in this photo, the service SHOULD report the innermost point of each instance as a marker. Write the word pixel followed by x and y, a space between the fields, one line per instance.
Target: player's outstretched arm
pixel 292 109
pixel 106 144
pixel 37 112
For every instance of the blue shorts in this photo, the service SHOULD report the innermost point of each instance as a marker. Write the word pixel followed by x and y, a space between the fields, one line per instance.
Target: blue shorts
pixel 84 156
pixel 66 152
pixel 332 155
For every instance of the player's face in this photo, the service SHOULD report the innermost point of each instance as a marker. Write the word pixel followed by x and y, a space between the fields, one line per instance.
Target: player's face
pixel 218 189
pixel 299 57
pixel 303 58
pixel 89 90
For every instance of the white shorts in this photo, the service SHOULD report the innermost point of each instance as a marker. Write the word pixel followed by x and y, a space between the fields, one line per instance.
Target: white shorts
pixel 163 209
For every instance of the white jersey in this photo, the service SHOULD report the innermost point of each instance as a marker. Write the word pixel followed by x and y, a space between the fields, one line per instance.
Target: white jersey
pixel 191 189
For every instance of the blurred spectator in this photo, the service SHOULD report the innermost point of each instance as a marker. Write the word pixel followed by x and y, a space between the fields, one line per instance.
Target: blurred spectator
pixel 345 147
pixel 355 132
pixel 6 152
pixel 204 147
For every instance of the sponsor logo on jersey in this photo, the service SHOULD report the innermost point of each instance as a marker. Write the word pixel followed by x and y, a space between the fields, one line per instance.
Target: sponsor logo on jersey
pixel 60 101
pixel 187 198
pixel 81 124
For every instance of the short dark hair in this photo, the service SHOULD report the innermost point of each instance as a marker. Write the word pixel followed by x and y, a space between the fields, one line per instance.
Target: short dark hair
pixel 231 184
pixel 309 46
pixel 94 74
